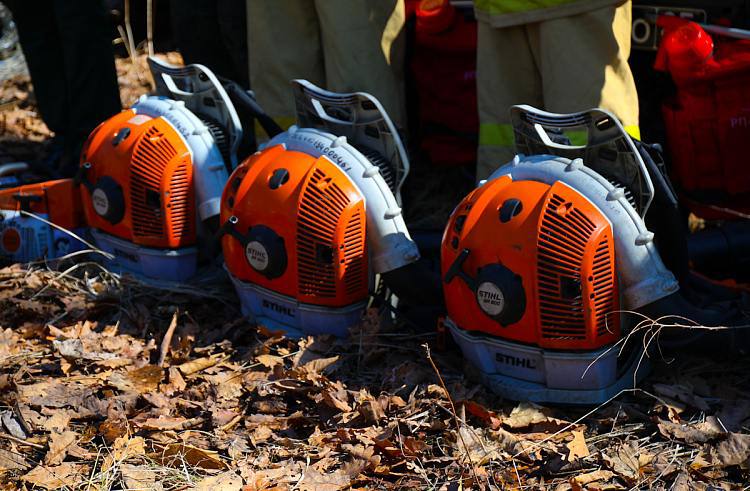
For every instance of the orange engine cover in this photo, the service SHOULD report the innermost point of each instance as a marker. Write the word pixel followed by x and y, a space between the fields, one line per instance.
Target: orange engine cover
pixel 59 200
pixel 532 263
pixel 299 228
pixel 138 181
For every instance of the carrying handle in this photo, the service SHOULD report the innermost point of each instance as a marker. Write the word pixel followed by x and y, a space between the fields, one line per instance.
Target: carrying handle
pixel 360 118
pixel 203 94
pixel 609 149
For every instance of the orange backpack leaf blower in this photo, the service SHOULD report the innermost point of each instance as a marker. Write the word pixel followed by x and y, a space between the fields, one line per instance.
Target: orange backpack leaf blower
pixel 312 218
pixel 550 273
pixel 151 177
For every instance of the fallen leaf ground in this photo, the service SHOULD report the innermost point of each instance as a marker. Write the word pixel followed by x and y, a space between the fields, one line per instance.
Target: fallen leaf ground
pixel 108 383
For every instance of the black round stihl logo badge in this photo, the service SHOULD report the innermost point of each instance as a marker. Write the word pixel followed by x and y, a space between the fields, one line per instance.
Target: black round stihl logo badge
pixel 256 255
pixel 100 201
pixel 490 299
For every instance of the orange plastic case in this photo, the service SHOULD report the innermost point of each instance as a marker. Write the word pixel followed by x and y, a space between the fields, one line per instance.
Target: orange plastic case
pixel 555 253
pixel 24 238
pixel 58 200
pixel 148 172
pixel 297 228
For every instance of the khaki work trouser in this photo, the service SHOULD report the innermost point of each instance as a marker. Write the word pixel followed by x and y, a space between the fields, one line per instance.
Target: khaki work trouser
pixel 340 45
pixel 561 65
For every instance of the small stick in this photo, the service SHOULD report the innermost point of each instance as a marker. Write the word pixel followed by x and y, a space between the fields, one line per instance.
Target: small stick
pixel 453 411
pixel 21 442
pixel 150 27
pixel 164 348
pixel 129 33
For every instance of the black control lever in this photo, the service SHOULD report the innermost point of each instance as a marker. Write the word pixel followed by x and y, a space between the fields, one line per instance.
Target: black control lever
pixel 228 229
pixel 456 269
pixel 81 176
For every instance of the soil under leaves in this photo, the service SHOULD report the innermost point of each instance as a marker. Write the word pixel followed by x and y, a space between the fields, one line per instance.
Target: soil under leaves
pixel 108 383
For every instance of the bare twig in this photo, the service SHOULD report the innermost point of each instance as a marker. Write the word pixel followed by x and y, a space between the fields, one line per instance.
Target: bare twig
pixel 129 32
pixel 150 27
pixel 164 348
pixel 453 411
pixel 21 442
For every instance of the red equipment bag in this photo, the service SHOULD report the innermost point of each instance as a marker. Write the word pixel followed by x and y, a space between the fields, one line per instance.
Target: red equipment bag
pixel 444 70
pixel 708 119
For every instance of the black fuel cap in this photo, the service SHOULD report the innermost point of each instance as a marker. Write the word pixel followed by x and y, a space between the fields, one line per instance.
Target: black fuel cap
pixel 265 251
pixel 500 294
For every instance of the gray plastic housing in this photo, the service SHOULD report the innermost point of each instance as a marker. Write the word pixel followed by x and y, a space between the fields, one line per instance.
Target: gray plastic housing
pixel 174 265
pixel 296 319
pixel 362 120
pixel 529 373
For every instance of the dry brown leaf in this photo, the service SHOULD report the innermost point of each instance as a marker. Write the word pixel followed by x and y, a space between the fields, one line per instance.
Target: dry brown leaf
pixel 195 366
pixel 528 414
pixel 12 461
pixel 67 474
pixel 194 456
pixel 489 418
pixel 228 385
pixel 114 428
pixel 473 444
pixel 577 448
pixel 256 479
pixel 59 444
pixel 735 450
pixel 138 477
pixel 122 449
pixel 336 398
pixel 140 380
pixel 628 461
pixel 167 423
pixel 702 432
pixel 261 434
pixel 226 481
pixel 317 481
pixel 176 382
pixel 58 421
pixel 319 365
pixel 364 453
pixel 580 481
pixel 371 411
pixel 269 361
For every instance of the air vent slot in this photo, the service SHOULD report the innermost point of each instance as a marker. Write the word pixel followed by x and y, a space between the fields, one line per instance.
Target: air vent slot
pixel 321 207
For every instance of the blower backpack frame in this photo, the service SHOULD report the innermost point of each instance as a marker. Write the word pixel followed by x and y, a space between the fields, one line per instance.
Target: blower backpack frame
pixel 311 218
pixel 555 328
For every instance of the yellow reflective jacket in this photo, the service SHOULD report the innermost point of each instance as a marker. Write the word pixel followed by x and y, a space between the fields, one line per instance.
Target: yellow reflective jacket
pixel 505 13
